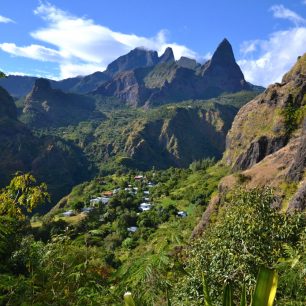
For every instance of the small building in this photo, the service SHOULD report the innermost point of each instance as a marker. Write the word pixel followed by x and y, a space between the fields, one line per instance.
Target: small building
pixel 99 200
pixel 107 193
pixel 150 185
pixel 182 214
pixel 68 213
pixel 146 199
pixel 116 190
pixel 138 177
pixel 146 192
pixel 145 206
pixel 132 229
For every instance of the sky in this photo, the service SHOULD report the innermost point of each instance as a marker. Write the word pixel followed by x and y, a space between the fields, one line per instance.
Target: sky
pixel 65 38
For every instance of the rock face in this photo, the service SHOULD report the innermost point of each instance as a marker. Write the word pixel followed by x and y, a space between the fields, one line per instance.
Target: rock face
pixel 188 63
pixel 258 150
pixel 45 106
pixel 298 166
pixel 170 142
pixel 48 158
pixel 126 86
pixel 222 73
pixel 167 57
pixel 137 58
pixel 267 123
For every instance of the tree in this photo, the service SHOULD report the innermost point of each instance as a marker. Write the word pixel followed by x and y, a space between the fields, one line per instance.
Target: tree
pixel 22 195
pixel 2 75
pixel 248 233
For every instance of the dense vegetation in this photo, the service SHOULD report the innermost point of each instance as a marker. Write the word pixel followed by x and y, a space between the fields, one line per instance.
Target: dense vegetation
pixel 92 258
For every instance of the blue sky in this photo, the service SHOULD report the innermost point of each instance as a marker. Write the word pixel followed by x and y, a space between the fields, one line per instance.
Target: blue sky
pixel 62 38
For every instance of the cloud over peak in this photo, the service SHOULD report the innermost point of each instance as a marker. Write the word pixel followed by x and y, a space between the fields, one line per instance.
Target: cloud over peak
pixel 81 46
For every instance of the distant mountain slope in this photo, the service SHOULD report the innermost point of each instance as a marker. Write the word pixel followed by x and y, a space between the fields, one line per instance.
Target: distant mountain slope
pixel 17 86
pixel 50 159
pixel 45 106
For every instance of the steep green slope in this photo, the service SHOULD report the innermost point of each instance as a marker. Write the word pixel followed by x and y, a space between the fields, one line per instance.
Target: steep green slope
pixel 50 159
pixel 160 137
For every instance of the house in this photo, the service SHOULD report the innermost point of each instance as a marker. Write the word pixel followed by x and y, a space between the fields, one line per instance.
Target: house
pixel 146 192
pixel 182 214
pixel 145 206
pixel 146 199
pixel 132 229
pixel 107 193
pixel 150 184
pixel 138 177
pixel 116 190
pixel 98 200
pixel 68 213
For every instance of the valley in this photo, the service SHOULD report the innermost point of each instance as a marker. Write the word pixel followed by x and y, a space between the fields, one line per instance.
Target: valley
pixel 170 179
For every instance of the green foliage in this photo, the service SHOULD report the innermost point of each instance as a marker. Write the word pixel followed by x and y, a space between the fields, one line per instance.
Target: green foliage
pixel 2 75
pixel 248 233
pixel 265 289
pixel 23 193
pixel 264 295
pixel 128 299
pixel 293 115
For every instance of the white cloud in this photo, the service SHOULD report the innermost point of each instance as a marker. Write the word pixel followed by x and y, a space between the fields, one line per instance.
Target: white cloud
pixel 279 11
pixel 33 51
pixel 81 46
pixel 264 62
pixel 5 19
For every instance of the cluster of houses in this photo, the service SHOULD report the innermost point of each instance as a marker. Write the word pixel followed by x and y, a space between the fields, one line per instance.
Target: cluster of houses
pixel 107 195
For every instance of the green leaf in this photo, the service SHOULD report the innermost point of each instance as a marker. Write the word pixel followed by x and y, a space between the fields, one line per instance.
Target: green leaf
pixel 207 301
pixel 243 300
pixel 128 299
pixel 228 296
pixel 266 286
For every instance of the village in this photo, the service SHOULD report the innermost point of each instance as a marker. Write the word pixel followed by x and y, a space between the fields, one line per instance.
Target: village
pixel 139 188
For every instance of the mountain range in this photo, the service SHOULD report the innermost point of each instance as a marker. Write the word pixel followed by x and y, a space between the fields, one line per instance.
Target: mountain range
pixel 143 111
pixel 141 78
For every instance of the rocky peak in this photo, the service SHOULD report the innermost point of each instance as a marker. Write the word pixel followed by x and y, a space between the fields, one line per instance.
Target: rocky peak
pixel 224 54
pixel 137 58
pixel 167 57
pixel 188 63
pixel 41 87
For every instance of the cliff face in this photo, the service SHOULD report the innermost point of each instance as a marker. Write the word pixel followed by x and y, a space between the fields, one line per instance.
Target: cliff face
pixel 185 135
pixel 267 123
